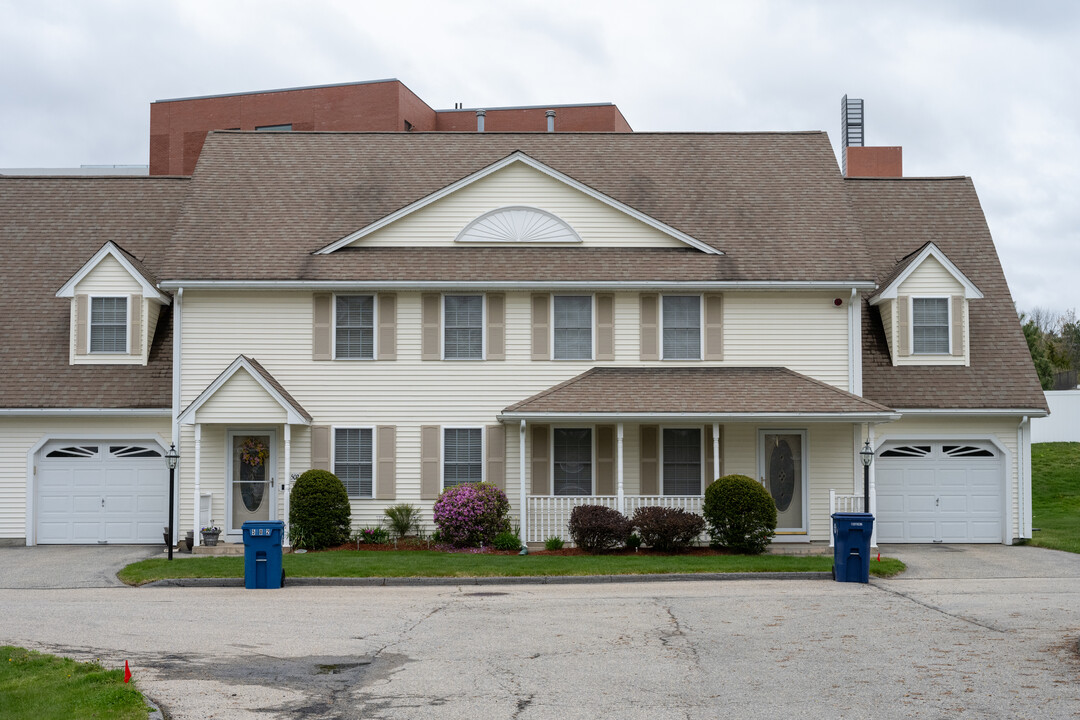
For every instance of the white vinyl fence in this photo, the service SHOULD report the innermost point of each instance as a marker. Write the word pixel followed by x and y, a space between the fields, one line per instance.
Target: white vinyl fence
pixel 1063 424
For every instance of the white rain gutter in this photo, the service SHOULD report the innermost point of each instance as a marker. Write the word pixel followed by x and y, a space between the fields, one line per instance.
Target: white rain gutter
pixel 86 412
pixel 513 285
pixel 974 412
pixel 716 417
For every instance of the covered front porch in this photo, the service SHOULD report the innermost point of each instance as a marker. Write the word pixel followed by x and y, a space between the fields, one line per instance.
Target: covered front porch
pixel 637 437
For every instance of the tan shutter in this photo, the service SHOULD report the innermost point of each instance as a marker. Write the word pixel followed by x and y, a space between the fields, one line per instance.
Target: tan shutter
pixel 541 465
pixel 386 456
pixel 429 461
pixel 605 327
pixel 430 326
pixel 605 460
pixel 650 327
pixel 541 304
pixel 496 326
pixel 903 329
pixel 650 460
pixel 320 447
pixel 495 447
pixel 387 326
pixel 135 308
pixel 82 320
pixel 322 331
pixel 957 325
pixel 714 328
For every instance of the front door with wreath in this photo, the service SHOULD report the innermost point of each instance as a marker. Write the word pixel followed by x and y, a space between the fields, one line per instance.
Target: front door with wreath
pixel 251 478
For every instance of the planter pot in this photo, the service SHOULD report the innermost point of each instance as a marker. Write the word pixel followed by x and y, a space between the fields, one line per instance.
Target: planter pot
pixel 210 539
pixel 189 540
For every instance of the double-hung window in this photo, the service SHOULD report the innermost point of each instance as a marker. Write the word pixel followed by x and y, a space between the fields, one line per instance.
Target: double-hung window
pixel 682 461
pixel 572 456
pixel 353 460
pixel 108 324
pixel 354 324
pixel 463 327
pixel 682 327
pixel 463 455
pixel 573 327
pixel 930 326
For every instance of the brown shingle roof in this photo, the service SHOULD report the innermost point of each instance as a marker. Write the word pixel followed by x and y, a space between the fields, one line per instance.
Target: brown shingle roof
pixel 694 390
pixel 775 202
pixel 279 387
pixel 49 227
pixel 898 217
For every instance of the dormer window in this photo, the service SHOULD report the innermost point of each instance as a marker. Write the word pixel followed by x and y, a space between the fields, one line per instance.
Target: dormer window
pixel 108 325
pixel 930 326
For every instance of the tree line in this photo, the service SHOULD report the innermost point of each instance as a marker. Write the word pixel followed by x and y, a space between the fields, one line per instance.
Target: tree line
pixel 1054 341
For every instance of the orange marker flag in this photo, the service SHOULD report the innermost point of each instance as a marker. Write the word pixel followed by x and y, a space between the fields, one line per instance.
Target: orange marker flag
pixel 127 672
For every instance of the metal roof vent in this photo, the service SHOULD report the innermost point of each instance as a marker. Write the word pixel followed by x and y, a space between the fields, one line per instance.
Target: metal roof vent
pixel 851 126
pixel 550 120
pixel 480 120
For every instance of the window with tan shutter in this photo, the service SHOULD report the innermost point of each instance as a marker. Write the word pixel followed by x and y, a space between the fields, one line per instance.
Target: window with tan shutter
pixel 108 325
pixel 354 327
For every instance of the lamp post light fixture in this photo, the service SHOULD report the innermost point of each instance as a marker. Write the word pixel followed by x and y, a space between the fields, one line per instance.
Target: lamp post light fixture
pixel 867 457
pixel 170 459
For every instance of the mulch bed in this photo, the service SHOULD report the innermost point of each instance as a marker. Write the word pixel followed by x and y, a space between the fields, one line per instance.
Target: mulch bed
pixel 414 544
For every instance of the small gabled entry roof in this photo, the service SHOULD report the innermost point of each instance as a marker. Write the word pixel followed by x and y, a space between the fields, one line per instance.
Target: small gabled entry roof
pixel 697 393
pixel 130 263
pixel 909 264
pixel 294 413
pixel 518 157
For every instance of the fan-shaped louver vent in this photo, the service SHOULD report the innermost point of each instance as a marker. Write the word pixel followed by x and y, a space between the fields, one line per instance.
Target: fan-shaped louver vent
pixel 518 225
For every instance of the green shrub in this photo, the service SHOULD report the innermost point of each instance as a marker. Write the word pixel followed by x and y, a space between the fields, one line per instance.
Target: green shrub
pixel 373 536
pixel 596 527
pixel 634 541
pixel 319 511
pixel 667 529
pixel 741 514
pixel 402 518
pixel 472 514
pixel 553 543
pixel 507 541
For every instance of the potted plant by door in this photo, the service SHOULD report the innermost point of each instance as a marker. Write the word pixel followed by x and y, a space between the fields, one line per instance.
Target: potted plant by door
pixel 210 535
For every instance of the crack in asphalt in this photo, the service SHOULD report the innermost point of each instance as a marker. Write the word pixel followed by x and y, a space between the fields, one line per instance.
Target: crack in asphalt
pixel 935 608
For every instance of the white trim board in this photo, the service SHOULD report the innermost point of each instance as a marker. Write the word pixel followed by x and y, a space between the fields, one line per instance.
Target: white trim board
pixel 292 417
pixel 67 290
pixel 890 291
pixel 518 157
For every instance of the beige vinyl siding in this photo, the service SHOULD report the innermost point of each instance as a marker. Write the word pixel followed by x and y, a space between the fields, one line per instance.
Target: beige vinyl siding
pixel 1001 430
pixel 108 277
pixel 888 323
pixel 240 400
pixel 930 278
pixel 595 222
pixel 151 311
pixel 19 434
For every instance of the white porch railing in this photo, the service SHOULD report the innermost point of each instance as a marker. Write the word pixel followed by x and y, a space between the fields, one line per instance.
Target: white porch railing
pixel 548 515
pixel 849 503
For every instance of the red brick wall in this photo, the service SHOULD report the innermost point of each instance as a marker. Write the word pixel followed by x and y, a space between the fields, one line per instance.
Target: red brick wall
pixel 875 162
pixel 589 118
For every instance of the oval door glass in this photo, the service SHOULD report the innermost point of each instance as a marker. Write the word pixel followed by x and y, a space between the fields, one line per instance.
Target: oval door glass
pixel 783 478
pixel 250 478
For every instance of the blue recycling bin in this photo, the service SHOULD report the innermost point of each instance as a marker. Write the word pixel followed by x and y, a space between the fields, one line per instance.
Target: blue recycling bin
pixel 851 546
pixel 262 554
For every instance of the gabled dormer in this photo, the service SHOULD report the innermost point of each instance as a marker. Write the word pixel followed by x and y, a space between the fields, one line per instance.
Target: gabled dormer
pixel 114 309
pixel 924 310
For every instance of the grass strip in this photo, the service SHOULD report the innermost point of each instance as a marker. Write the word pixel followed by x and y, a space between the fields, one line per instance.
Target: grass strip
pixel 1055 495
pixel 424 563
pixel 34 686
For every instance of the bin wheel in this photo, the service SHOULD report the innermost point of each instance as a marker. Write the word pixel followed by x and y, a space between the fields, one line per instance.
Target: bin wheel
pixel 282 578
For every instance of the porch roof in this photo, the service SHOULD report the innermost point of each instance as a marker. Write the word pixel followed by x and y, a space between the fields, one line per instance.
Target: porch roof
pixel 295 414
pixel 700 393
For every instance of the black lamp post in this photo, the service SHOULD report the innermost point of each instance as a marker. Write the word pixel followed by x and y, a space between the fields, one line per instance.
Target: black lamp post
pixel 867 457
pixel 171 457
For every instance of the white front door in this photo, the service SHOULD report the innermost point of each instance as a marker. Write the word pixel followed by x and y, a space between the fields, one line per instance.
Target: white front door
pixel 782 469
pixel 250 494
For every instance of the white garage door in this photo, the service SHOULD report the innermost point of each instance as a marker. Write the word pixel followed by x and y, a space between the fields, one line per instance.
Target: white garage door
pixel 940 492
pixel 101 492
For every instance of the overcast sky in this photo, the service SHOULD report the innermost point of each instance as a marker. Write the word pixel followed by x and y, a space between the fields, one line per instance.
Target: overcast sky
pixel 986 88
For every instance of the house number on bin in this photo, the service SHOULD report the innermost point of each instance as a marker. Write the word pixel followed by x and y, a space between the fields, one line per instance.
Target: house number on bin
pixel 260 531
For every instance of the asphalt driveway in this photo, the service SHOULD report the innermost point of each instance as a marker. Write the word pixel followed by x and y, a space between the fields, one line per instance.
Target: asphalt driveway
pixel 68 566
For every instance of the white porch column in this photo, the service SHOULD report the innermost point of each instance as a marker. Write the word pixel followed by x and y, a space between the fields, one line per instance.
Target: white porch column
pixel 873 486
pixel 196 497
pixel 523 497
pixel 619 471
pixel 287 480
pixel 715 450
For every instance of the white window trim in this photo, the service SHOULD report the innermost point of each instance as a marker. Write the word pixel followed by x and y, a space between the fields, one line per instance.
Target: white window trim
pixel 442 451
pixel 805 531
pixel 483 326
pixel 701 431
pixel 701 326
pixel 948 324
pixel 374 456
pixel 90 323
pixel 374 326
pixel 592 320
pixel 551 454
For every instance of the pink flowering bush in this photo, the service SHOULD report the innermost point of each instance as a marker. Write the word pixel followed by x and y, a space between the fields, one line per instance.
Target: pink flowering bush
pixel 472 514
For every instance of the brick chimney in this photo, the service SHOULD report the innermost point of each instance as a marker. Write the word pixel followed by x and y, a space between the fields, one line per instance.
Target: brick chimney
pixel 860 161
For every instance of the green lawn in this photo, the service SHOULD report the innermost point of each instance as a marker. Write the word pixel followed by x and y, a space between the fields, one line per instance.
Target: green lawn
pixel 43 687
pixel 1055 495
pixel 364 563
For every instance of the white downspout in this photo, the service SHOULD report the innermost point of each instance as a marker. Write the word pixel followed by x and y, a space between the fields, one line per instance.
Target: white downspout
pixel 198 478
pixel 715 451
pixel 286 481
pixel 523 498
pixel 619 469
pixel 177 340
pixel 856 342
pixel 1023 491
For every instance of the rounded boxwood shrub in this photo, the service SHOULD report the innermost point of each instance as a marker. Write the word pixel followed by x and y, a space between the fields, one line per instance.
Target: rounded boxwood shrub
pixel 596 527
pixel 741 514
pixel 507 541
pixel 667 529
pixel 319 512
pixel 472 514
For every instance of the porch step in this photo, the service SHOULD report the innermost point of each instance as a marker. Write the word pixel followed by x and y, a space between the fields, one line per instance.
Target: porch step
pixel 222 548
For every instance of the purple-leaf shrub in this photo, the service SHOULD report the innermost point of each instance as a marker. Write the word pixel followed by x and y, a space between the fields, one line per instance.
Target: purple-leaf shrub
pixel 472 514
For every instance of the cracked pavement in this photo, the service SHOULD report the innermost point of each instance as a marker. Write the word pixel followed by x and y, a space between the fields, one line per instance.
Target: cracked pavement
pixel 920 646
